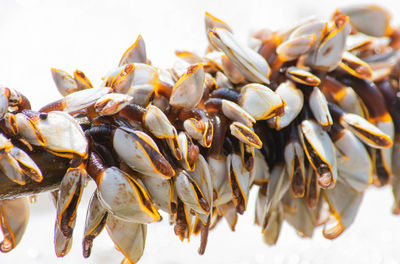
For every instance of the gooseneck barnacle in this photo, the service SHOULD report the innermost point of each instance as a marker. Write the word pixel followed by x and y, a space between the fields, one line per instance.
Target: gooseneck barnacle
pixel 309 117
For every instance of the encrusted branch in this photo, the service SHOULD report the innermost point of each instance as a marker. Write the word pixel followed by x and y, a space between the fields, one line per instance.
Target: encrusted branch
pixel 53 169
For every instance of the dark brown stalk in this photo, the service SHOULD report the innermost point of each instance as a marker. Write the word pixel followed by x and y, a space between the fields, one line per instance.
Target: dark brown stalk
pixel 53 169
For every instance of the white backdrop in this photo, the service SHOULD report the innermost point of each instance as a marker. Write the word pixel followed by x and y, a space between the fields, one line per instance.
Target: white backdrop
pixel 91 35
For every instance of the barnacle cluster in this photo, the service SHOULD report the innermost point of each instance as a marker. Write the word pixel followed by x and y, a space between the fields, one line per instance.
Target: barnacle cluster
pixel 309 116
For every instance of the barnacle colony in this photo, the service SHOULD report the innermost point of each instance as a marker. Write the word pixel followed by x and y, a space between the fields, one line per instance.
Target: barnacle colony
pixel 308 116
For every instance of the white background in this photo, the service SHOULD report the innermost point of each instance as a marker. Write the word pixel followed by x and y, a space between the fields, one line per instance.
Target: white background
pixel 91 36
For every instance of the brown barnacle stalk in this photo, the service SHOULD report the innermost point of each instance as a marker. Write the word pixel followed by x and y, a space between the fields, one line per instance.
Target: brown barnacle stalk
pixel 309 115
